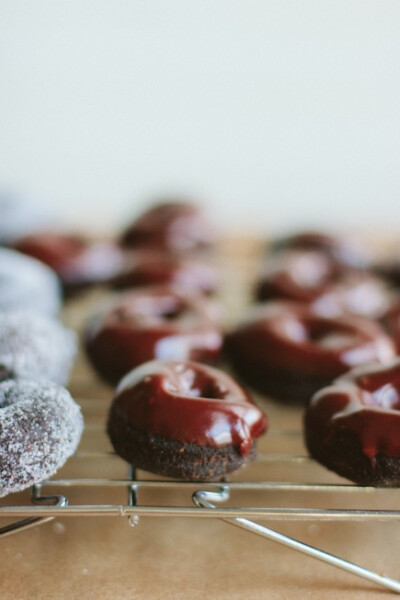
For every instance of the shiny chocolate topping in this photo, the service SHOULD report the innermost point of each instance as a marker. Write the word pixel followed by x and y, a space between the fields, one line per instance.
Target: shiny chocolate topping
pixel 311 276
pixel 365 401
pixel 190 403
pixel 347 251
pixel 170 225
pixel 149 323
pixel 292 336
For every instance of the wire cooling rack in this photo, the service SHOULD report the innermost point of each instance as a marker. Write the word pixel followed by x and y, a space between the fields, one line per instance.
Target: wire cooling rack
pixel 238 502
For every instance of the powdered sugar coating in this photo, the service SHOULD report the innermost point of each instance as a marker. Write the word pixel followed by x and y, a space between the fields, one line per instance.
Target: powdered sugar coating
pixel 21 215
pixel 34 346
pixel 27 283
pixel 40 427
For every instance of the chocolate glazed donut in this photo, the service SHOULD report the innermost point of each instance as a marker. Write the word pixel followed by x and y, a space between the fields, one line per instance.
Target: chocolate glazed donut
pixel 170 226
pixel 145 268
pixel 288 351
pixel 309 276
pixel 184 420
pixel 145 324
pixel 345 251
pixel 353 426
pixel 78 262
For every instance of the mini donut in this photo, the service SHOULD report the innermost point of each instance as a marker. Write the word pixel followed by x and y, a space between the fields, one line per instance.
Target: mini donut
pixel 141 325
pixel 185 420
pixel 309 276
pixel 21 215
pixel 78 262
pixel 153 268
pixel 170 226
pixel 40 427
pixel 289 351
pixel 353 426
pixel 34 346
pixel 345 251
pixel 27 283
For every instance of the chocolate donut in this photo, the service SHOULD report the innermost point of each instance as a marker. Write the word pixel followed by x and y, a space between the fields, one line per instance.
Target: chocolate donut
pixel 353 426
pixel 170 226
pixel 78 262
pixel 141 325
pixel 289 351
pixel 309 276
pixel 34 346
pixel 184 420
pixel 25 283
pixel 40 427
pixel 153 268
pixel 346 251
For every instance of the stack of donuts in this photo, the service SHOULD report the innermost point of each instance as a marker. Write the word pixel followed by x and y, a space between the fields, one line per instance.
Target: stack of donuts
pixel 40 423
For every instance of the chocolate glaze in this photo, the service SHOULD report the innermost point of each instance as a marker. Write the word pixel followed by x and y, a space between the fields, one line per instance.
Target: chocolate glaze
pixel 310 276
pixel 189 403
pixel 284 348
pixel 155 268
pixel 145 324
pixel 77 261
pixel 362 409
pixel 170 225
pixel 346 251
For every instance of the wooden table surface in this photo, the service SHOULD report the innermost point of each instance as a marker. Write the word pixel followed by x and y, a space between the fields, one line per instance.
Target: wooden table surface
pixel 191 558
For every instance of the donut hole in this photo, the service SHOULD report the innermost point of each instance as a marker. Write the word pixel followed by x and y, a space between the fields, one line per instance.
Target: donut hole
pixel 197 384
pixel 213 390
pixel 380 390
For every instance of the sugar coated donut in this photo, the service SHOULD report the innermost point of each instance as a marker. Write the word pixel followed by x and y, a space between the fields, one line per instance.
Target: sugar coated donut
pixel 40 427
pixel 34 346
pixel 27 283
pixel 21 215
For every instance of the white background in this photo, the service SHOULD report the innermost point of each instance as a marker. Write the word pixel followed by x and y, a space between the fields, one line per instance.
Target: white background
pixel 278 113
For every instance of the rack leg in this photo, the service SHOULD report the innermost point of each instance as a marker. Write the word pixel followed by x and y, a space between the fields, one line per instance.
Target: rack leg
pixel 204 499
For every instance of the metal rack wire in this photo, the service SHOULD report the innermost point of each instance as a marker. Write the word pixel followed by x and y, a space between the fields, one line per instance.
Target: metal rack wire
pixel 49 499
